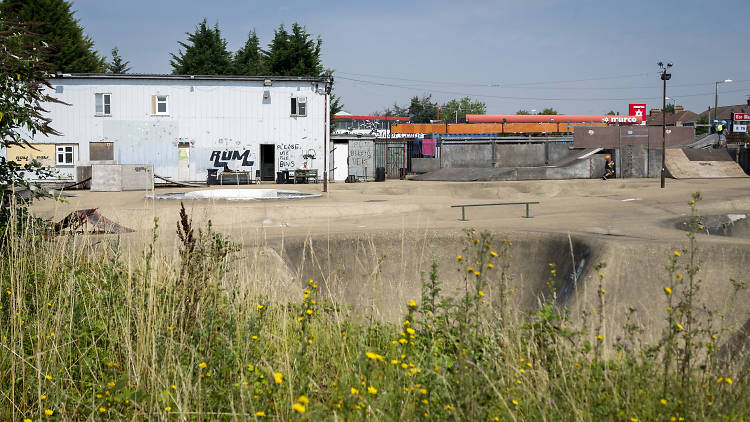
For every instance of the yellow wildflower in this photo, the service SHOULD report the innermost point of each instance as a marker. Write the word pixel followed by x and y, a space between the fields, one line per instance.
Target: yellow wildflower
pixel 679 326
pixel 490 266
pixel 111 384
pixel 48 377
pixel 410 330
pixel 303 399
pixel 412 303
pixel 458 258
pixel 261 413
pixel 43 397
pixel 728 381
pixel 173 387
pixel 515 402
pixel 202 365
pixel 372 390
pixel 102 410
pixel 374 356
pixel 667 290
pixel 493 253
pixel 167 409
pixel 278 377
pixel 298 408
pixel 676 253
pixel 469 269
pixel 309 312
pixel 48 412
pixel 481 293
pixel 600 337
pixel 477 273
pixel 678 275
pixel 260 307
pixel 663 401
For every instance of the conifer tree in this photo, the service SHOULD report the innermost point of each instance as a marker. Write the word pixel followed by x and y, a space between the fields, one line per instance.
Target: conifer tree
pixel 71 51
pixel 294 53
pixel 205 53
pixel 118 65
pixel 250 60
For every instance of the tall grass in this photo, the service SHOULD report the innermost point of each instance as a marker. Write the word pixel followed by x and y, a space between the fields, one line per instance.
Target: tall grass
pixel 86 333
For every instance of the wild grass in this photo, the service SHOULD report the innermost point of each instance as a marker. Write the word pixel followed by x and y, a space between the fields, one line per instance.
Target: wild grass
pixel 87 333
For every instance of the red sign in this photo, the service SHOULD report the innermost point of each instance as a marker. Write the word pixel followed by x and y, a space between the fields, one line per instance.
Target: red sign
pixel 638 110
pixel 741 117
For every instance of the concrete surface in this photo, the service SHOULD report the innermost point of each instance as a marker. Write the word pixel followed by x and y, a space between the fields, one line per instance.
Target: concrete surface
pixel 106 178
pixel 368 243
pixel 680 166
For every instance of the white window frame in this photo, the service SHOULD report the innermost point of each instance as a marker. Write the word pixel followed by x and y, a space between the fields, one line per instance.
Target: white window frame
pixel 67 151
pixel 300 106
pixel 106 103
pixel 166 105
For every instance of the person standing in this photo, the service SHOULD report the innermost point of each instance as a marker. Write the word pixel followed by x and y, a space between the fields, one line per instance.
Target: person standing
pixel 609 168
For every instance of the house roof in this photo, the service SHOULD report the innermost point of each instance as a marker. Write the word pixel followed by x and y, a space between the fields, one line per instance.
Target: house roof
pixel 671 118
pixel 725 112
pixel 191 77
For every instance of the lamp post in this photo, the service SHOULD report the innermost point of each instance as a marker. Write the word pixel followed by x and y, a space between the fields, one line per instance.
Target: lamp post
pixel 326 131
pixel 664 77
pixel 716 98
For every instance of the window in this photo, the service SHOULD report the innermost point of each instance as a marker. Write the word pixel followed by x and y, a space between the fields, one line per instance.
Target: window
pixel 64 155
pixel 103 104
pixel 299 106
pixel 160 104
pixel 101 151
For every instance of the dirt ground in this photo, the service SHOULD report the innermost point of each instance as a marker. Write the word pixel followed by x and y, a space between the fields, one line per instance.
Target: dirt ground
pixel 344 236
pixel 635 208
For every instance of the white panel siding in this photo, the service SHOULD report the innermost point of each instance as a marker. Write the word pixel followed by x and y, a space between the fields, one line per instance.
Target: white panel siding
pixel 216 117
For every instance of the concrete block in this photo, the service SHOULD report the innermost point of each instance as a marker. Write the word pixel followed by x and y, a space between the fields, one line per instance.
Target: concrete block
pixel 106 178
pixel 83 173
pixel 424 165
pixel 137 177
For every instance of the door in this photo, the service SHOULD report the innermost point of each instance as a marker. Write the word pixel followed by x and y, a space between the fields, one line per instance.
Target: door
pixel 267 162
pixel 394 161
pixel 340 161
pixel 183 162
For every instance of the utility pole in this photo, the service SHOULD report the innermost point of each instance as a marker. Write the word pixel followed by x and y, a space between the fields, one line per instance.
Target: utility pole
pixel 326 131
pixel 664 77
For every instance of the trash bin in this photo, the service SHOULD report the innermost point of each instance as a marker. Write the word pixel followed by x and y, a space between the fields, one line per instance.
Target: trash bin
pixel 281 177
pixel 380 174
pixel 211 179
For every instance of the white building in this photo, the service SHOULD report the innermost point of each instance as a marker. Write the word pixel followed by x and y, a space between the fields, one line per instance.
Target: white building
pixel 185 125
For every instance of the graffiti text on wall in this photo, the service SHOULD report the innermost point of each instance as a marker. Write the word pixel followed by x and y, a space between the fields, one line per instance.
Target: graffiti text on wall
pixel 284 152
pixel 221 159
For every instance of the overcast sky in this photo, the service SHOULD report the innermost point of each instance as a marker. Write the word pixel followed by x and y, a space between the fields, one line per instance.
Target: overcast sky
pixel 577 56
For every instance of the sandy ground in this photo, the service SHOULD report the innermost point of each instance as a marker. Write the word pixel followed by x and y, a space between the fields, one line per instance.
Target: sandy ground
pixel 635 208
pixel 627 224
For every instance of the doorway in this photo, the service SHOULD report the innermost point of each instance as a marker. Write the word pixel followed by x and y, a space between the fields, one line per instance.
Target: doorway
pixel 267 162
pixel 183 162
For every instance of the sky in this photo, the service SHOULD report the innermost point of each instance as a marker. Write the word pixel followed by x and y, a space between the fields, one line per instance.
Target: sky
pixel 576 56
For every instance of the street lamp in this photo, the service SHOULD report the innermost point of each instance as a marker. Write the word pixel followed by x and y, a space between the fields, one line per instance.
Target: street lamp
pixel 664 77
pixel 716 98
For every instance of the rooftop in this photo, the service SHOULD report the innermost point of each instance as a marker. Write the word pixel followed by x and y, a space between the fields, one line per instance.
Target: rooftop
pixel 192 77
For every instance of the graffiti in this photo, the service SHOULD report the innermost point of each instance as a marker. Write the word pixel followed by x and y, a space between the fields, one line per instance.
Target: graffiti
pixel 221 158
pixel 285 155
pixel 360 158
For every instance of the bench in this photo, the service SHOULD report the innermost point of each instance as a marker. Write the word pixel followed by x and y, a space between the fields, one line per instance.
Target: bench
pixel 305 175
pixel 463 207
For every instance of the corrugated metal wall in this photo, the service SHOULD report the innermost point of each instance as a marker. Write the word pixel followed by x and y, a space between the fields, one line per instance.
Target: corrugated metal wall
pixel 218 118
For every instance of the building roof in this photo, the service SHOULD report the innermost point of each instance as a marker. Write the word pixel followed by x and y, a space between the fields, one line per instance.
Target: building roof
pixel 192 77
pixel 725 112
pixel 683 116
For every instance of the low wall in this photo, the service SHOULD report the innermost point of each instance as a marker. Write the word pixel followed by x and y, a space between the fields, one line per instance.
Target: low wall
pixel 424 165
pixel 121 177
pixel 638 161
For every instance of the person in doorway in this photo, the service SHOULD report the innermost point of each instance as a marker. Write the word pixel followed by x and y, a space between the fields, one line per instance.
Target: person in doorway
pixel 609 168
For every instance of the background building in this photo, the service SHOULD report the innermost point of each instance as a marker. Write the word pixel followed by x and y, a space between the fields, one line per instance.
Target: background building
pixel 185 125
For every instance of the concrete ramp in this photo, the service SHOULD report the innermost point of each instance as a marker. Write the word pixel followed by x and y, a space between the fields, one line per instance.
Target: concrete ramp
pixel 705 142
pixel 696 164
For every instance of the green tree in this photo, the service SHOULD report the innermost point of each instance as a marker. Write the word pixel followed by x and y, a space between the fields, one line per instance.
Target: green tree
pixel 548 111
pixel 23 88
pixel 422 110
pixel 456 110
pixel 205 53
pixel 118 65
pixel 70 50
pixel 611 113
pixel 669 108
pixel 702 130
pixel 250 60
pixel 523 112
pixel 294 53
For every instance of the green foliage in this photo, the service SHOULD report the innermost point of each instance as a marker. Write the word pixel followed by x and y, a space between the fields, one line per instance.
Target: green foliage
pixel 294 53
pixel 118 65
pixel 702 130
pixel 250 60
pixel 523 112
pixel 669 108
pixel 456 110
pixel 611 113
pixel 548 111
pixel 205 53
pixel 422 110
pixel 52 20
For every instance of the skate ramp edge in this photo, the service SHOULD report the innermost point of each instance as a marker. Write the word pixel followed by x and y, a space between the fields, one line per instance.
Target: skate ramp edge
pixel 680 166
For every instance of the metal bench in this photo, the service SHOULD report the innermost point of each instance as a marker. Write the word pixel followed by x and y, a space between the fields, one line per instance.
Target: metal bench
pixel 463 207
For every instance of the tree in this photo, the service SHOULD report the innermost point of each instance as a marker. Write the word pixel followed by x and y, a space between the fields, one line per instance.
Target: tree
pixel 611 113
pixel 250 60
pixel 702 127
pixel 422 110
pixel 294 53
pixel 70 50
pixel 118 66
pixel 23 88
pixel 523 112
pixel 458 109
pixel 205 53
pixel 669 108
pixel 548 111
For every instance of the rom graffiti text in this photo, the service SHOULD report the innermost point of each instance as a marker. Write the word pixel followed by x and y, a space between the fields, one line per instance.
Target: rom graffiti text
pixel 221 159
